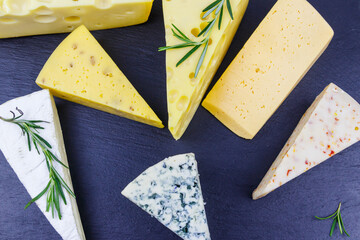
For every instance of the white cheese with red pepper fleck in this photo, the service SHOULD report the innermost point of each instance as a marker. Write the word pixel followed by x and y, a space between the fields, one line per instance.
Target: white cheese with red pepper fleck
pixel 170 191
pixel 30 167
pixel 330 125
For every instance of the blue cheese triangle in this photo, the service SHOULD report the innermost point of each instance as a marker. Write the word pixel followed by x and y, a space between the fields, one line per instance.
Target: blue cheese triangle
pixel 330 125
pixel 170 191
pixel 30 166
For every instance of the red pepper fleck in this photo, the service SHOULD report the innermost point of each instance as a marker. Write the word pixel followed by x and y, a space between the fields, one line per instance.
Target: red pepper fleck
pixel 288 172
pixel 324 152
pixel 341 140
pixel 331 153
pixel 336 119
pixel 329 146
pixel 306 162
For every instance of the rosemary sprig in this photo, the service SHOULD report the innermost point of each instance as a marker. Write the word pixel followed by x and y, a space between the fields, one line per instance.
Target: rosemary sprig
pixel 337 219
pixel 54 188
pixel 218 8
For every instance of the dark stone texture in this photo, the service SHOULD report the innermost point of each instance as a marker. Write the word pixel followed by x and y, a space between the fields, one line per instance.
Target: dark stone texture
pixel 106 152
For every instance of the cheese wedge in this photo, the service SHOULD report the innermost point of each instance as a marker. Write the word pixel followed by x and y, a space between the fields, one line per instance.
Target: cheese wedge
pixel 184 91
pixel 279 53
pixel 33 17
pixel 30 166
pixel 170 191
pixel 81 71
pixel 330 125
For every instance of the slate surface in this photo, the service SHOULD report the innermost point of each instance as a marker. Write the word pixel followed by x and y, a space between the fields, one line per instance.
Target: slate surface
pixel 106 152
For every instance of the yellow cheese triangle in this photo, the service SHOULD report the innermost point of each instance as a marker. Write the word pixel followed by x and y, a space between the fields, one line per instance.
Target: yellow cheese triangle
pixel 81 71
pixel 184 91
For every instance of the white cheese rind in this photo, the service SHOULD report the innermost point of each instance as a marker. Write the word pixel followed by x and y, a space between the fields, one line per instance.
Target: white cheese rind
pixel 330 125
pixel 170 191
pixel 30 167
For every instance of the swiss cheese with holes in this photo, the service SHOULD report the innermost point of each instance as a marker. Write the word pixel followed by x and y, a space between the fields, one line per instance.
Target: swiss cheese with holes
pixel 81 71
pixel 184 91
pixel 33 17
pixel 282 49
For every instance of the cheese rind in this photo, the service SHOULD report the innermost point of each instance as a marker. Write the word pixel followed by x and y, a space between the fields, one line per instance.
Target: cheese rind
pixel 279 53
pixel 30 166
pixel 184 91
pixel 170 191
pixel 80 70
pixel 330 125
pixel 34 17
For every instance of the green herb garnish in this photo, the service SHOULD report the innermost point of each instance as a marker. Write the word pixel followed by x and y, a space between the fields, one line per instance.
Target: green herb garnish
pixel 218 8
pixel 337 219
pixel 54 190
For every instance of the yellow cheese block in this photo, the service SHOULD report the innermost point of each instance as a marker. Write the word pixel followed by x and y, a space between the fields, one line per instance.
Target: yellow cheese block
pixel 184 91
pixel 81 71
pixel 33 17
pixel 282 49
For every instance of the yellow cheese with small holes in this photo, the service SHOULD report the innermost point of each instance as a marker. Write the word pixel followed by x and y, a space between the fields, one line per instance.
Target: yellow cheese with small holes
pixel 81 71
pixel 184 91
pixel 33 17
pixel 282 49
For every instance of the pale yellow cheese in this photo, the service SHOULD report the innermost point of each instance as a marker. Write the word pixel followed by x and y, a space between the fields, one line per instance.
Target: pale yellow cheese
pixel 81 71
pixel 184 91
pixel 282 49
pixel 33 17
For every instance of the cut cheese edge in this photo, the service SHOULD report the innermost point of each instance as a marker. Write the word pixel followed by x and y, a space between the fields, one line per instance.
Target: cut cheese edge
pixel 34 17
pixel 30 166
pixel 279 53
pixel 330 125
pixel 80 70
pixel 184 91
pixel 170 191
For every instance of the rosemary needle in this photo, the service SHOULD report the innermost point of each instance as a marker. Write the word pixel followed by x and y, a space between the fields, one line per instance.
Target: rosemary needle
pixel 337 219
pixel 216 7
pixel 54 188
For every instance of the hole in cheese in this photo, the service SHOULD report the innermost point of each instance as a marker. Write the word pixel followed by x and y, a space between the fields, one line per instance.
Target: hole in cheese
pixel 181 104
pixel 45 19
pixel 8 20
pixel 169 73
pixel 72 19
pixel 195 32
pixel 103 4
pixel 173 95
pixel 203 25
pixel 44 11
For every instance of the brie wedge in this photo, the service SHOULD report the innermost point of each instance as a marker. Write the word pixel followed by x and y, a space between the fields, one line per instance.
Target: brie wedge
pixel 30 166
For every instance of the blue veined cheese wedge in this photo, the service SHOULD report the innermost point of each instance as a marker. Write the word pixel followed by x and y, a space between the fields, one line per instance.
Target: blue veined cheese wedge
pixel 34 17
pixel 330 125
pixel 170 191
pixel 30 166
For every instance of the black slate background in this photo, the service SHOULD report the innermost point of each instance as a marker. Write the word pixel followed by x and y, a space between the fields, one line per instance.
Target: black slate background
pixel 106 152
